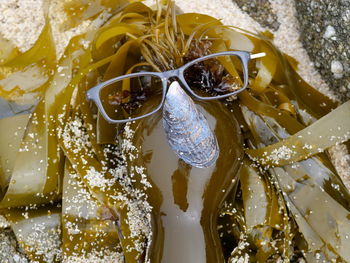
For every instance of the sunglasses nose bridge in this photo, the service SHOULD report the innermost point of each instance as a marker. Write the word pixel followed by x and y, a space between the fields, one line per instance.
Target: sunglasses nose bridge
pixel 171 73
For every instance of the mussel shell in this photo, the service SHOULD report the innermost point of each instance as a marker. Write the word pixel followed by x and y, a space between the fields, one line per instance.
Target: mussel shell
pixel 187 130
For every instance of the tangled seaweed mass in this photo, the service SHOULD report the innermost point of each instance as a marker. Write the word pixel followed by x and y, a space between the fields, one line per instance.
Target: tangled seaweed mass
pixel 75 188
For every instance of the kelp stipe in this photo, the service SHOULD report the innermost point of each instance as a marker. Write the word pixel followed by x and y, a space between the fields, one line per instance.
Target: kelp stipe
pixel 188 198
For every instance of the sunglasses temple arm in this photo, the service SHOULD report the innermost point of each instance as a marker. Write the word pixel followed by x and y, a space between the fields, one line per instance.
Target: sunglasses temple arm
pixel 257 55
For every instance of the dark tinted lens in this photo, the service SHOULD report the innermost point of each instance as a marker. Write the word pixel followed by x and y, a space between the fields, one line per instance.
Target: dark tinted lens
pixel 132 97
pixel 216 76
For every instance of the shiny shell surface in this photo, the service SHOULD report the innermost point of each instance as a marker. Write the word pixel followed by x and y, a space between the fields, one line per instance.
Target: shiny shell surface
pixel 187 130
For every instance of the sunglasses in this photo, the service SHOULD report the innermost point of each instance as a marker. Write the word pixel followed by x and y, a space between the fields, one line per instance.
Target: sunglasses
pixel 215 76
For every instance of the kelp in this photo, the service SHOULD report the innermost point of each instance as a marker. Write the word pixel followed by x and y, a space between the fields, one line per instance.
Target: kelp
pixel 78 11
pixel 38 232
pixel 88 225
pixel 66 173
pixel 316 198
pixel 180 192
pixel 37 64
pixel 310 141
pixel 259 221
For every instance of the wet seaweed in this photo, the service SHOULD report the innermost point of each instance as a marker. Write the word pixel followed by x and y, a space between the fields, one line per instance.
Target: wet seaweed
pixel 289 204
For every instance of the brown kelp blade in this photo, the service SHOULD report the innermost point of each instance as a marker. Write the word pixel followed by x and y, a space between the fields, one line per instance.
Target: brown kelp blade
pixel 88 228
pixel 38 232
pixel 314 196
pixel 332 129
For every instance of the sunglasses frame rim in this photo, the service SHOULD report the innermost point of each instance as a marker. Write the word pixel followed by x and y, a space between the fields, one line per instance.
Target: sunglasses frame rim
pixel 93 94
